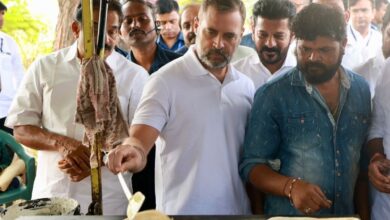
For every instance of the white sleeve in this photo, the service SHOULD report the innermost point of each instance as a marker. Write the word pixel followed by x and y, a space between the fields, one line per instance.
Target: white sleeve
pixel 153 109
pixel 380 107
pixel 136 92
pixel 26 107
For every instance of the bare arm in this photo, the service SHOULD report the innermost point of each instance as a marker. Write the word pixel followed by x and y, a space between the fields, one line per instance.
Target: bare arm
pixel 306 197
pixel 376 155
pixel 75 154
pixel 131 154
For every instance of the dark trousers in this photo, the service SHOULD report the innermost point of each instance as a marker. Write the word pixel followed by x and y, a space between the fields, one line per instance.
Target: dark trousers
pixel 144 182
pixel 2 127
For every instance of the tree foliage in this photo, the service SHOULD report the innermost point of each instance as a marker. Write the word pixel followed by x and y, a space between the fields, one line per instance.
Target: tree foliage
pixel 29 32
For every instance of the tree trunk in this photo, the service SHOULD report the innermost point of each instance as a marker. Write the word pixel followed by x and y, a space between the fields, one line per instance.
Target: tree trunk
pixel 64 36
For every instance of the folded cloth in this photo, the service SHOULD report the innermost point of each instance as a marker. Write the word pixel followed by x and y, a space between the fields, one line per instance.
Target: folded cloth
pixel 98 107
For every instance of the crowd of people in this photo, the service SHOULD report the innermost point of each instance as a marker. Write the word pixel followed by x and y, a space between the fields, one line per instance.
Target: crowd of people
pixel 292 118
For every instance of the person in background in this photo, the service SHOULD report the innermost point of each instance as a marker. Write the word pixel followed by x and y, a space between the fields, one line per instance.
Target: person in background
pixel 271 32
pixel 378 137
pixel 300 4
pixel 380 9
pixel 43 116
pixel 167 19
pixel 187 24
pixel 304 152
pixel 11 70
pixel 139 31
pixel 364 42
pixel 196 108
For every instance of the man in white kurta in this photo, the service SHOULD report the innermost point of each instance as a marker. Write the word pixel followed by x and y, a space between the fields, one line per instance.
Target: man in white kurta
pixel 196 107
pixel 273 39
pixel 47 99
pixel 45 107
pixel 379 146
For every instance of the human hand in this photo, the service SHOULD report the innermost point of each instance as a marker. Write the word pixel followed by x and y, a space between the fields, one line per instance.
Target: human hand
pixel 126 158
pixel 76 154
pixel 308 198
pixel 379 173
pixel 74 175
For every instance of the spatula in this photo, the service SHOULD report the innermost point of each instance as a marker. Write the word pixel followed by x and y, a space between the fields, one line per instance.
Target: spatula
pixel 135 201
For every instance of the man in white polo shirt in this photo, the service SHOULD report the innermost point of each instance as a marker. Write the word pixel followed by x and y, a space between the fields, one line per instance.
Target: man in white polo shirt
pixel 272 36
pixel 196 108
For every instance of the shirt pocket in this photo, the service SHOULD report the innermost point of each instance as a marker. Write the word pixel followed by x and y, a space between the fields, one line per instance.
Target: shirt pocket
pixel 302 130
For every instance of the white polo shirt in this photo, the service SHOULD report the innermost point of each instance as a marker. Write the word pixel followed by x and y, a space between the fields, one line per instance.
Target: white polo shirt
pixel 254 68
pixel 11 71
pixel 202 125
pixel 47 99
pixel 380 128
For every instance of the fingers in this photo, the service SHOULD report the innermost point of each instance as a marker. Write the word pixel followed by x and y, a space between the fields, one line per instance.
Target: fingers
pixel 124 158
pixel 309 198
pixel 79 159
pixel 380 182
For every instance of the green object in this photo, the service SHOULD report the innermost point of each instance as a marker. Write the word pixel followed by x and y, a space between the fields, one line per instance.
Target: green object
pixel 23 192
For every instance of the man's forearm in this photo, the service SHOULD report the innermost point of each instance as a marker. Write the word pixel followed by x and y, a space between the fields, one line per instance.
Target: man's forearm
pixel 39 139
pixel 268 181
pixel 375 146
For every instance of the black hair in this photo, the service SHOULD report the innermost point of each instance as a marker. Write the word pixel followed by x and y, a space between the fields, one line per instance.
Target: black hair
pixel 3 7
pixel 113 5
pixel 147 4
pixel 354 2
pixel 386 18
pixel 166 6
pixel 274 10
pixel 378 3
pixel 224 6
pixel 317 20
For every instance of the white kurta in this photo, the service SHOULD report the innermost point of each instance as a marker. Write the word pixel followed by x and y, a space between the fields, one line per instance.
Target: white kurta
pixel 11 71
pixel 47 99
pixel 380 128
pixel 255 70
pixel 359 50
pixel 202 125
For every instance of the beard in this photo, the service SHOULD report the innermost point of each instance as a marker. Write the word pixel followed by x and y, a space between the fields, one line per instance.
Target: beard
pixel 316 72
pixel 267 58
pixel 221 59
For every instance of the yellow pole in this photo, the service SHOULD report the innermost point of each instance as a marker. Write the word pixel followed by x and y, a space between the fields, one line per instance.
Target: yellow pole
pixel 96 207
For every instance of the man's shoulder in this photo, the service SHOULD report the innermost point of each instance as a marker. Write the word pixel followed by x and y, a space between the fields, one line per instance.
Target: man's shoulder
pixel 120 63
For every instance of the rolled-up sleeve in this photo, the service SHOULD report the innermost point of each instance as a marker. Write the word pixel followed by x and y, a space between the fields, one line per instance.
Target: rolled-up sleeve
pixel 262 136
pixel 26 107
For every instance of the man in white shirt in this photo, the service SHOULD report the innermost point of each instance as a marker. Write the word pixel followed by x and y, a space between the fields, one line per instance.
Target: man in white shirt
pixel 364 42
pixel 44 109
pixel 196 108
pixel 272 36
pixel 11 70
pixel 378 144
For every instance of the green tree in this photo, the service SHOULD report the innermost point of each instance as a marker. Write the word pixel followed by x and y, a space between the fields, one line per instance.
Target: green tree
pixel 29 32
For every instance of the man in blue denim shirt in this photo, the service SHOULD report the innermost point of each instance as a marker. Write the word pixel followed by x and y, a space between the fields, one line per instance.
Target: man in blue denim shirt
pixel 307 128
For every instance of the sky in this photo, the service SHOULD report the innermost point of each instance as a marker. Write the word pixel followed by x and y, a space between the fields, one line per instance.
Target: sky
pixel 47 9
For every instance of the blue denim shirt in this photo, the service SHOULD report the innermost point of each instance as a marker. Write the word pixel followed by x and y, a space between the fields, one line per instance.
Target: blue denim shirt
pixel 291 129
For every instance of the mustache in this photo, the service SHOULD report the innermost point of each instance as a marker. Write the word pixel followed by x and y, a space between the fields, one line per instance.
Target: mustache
pixel 136 31
pixel 269 49
pixel 217 51
pixel 191 36
pixel 108 47
pixel 311 64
